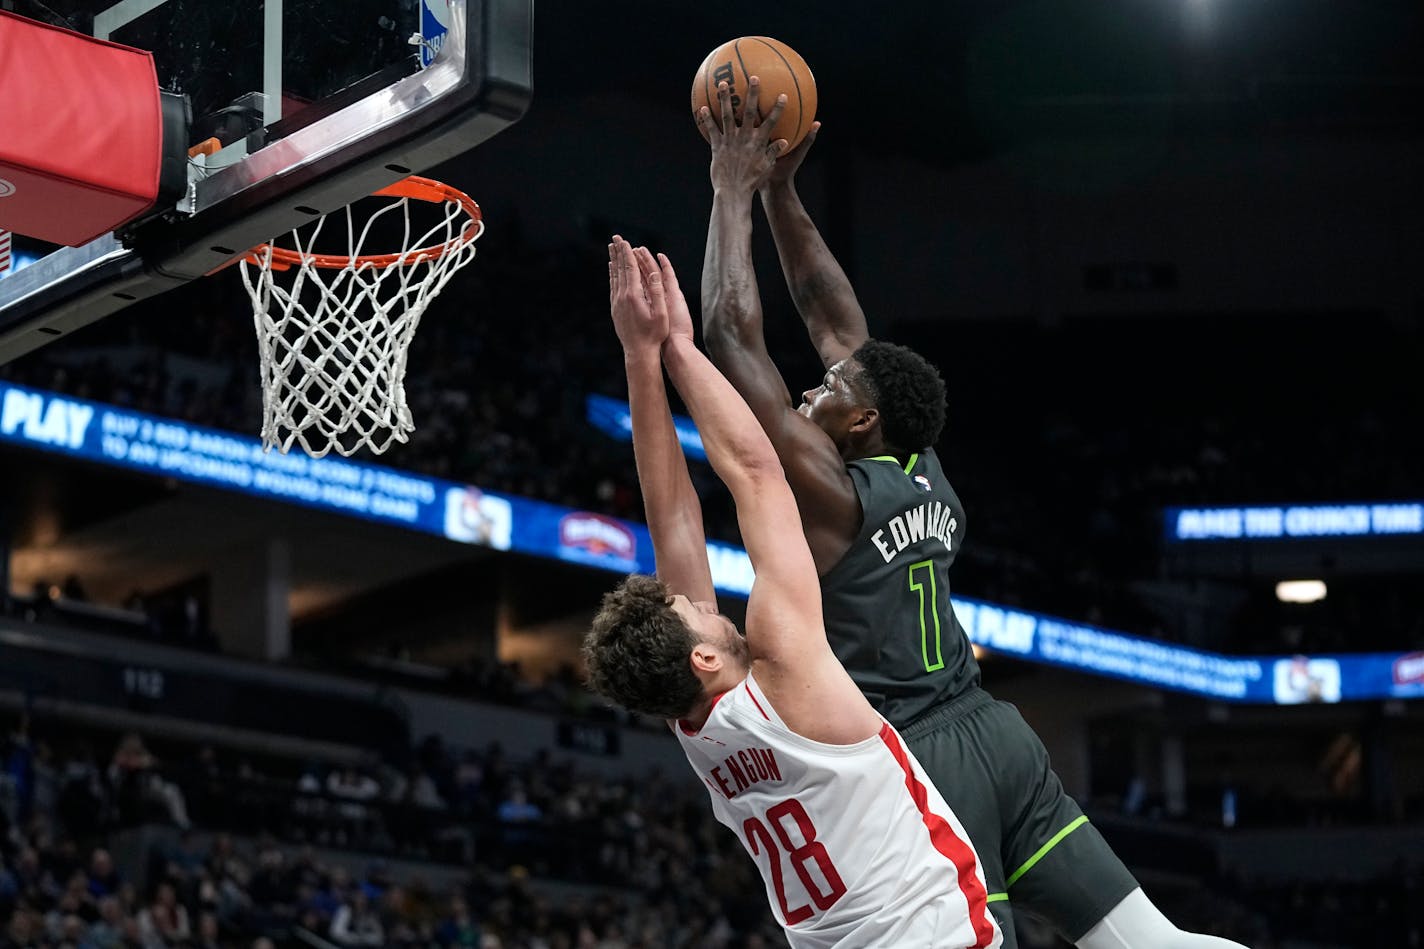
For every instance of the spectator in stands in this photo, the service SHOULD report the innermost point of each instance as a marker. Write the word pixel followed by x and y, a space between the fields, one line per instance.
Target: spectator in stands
pixel 355 924
pixel 423 792
pixel 269 886
pixel 83 800
pixel 458 927
pixel 138 786
pixel 208 932
pixel 352 785
pixel 107 932
pixel 103 877
pixel 164 922
pixel 355 790
pixel 63 922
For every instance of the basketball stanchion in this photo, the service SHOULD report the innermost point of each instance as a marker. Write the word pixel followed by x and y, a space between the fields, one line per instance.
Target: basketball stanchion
pixel 333 330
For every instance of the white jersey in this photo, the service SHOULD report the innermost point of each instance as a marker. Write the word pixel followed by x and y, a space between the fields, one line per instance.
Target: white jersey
pixel 854 844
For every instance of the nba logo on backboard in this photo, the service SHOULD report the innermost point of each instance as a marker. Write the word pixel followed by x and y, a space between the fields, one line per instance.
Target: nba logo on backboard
pixel 434 24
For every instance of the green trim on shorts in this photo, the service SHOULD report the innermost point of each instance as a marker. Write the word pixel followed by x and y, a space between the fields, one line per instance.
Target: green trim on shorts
pixel 997 898
pixel 1042 851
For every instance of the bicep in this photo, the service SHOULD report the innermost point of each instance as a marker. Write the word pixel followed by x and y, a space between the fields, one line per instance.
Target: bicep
pixel 830 508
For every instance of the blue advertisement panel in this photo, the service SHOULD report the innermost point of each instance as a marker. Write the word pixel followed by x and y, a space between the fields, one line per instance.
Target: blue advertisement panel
pixel 611 417
pixel 1298 522
pixel 197 455
pixel 1275 680
pixel 136 441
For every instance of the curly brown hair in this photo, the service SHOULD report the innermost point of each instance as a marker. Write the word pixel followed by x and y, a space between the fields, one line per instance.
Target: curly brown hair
pixel 637 651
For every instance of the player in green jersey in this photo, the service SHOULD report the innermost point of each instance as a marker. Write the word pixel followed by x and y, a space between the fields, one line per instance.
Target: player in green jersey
pixel 883 526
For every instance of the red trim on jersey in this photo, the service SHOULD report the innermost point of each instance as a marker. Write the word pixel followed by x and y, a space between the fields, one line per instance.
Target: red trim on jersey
pixel 692 732
pixel 748 687
pixel 942 836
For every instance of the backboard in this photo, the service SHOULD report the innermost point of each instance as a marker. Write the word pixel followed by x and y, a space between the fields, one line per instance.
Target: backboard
pixel 316 103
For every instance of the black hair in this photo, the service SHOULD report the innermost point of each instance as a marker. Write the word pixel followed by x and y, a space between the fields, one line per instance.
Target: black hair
pixel 907 391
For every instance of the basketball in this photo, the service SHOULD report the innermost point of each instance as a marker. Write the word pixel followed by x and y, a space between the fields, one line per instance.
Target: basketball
pixel 780 69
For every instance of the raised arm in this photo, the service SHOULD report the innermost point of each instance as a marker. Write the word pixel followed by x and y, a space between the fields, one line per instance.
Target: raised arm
pixel 670 502
pixel 823 294
pixel 784 611
pixel 732 330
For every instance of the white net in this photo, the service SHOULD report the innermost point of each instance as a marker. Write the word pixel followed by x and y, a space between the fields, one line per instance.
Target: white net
pixel 333 331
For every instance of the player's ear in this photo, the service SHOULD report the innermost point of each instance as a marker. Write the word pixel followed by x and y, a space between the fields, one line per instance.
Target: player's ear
pixel 706 658
pixel 865 420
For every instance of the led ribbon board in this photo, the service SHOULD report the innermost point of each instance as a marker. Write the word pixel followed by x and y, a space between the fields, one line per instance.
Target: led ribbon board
pixel 1298 522
pixel 122 438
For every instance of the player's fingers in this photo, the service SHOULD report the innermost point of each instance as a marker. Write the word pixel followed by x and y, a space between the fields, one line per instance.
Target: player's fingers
pixel 724 99
pixel 653 280
pixel 750 111
pixel 777 148
pixel 669 275
pixel 625 257
pixel 645 260
pixel 774 115
pixel 627 279
pixel 709 124
pixel 811 135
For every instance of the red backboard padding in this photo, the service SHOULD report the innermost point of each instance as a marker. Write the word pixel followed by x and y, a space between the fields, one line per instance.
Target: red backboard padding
pixel 81 132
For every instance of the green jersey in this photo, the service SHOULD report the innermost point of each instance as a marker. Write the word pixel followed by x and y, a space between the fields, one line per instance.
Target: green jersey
pixel 886 602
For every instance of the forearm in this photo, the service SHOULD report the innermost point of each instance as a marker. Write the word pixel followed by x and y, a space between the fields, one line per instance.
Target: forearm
pixel 819 286
pixel 731 435
pixel 670 503
pixel 662 467
pixel 731 302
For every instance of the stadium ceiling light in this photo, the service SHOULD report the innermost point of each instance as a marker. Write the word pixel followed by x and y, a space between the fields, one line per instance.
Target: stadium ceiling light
pixel 1300 591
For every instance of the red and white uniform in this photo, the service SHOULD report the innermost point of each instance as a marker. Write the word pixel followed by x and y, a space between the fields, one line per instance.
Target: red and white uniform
pixel 854 844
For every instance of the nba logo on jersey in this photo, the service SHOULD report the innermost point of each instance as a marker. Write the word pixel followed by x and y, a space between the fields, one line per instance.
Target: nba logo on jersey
pixel 434 24
pixel 922 483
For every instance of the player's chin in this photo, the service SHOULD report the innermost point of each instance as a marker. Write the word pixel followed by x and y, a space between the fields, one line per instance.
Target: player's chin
pixel 804 409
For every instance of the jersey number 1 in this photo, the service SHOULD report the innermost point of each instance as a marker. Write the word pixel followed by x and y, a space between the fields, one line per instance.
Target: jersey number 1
pixel 812 850
pixel 922 574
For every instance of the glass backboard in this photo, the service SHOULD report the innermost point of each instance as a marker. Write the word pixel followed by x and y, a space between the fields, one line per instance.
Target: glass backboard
pixel 315 104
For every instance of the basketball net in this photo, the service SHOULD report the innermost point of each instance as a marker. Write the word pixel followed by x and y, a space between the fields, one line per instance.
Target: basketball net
pixel 333 330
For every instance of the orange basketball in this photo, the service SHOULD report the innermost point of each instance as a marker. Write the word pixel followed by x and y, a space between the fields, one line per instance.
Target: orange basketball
pixel 778 67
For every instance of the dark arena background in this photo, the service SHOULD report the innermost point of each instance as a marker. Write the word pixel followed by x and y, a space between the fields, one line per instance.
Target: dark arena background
pixel 1168 257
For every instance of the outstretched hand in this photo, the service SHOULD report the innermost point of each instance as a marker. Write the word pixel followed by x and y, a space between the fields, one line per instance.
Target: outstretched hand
pixel 742 155
pixel 641 327
pixel 787 165
pixel 664 293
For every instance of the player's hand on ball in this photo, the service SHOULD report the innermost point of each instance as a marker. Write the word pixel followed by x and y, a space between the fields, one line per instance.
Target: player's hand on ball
pixel 786 166
pixel 743 155
pixel 664 292
pixel 641 327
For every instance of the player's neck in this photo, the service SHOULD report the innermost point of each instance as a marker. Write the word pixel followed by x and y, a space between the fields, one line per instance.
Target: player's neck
pixel 869 445
pixel 715 686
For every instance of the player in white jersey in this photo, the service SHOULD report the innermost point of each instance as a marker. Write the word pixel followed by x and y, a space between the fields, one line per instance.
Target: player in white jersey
pixel 855 846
